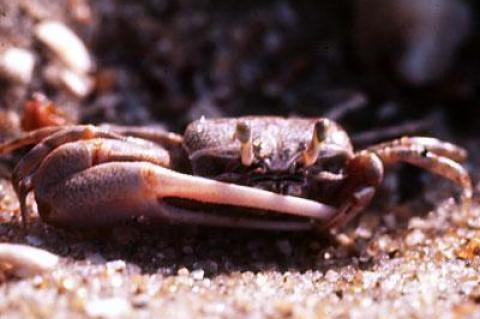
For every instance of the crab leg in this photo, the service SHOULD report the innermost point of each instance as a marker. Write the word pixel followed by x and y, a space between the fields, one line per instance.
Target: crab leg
pixel 364 174
pixel 154 134
pixel 431 144
pixel 51 137
pixel 30 162
pixel 49 142
pixel 32 137
pixel 420 155
pixel 356 203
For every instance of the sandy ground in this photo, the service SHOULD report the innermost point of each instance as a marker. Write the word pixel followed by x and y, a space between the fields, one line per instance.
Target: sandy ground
pixel 394 262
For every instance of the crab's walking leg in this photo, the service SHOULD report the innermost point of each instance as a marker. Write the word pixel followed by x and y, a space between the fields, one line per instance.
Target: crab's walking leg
pixel 28 139
pixel 365 173
pixel 51 137
pixel 431 144
pixel 154 134
pixel 32 137
pixel 420 155
pixel 48 139
pixel 34 157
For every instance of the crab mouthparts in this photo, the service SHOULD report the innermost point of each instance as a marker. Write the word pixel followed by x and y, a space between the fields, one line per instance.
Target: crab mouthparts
pixel 284 185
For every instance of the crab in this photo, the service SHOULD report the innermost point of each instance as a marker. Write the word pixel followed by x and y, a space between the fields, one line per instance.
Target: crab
pixel 287 174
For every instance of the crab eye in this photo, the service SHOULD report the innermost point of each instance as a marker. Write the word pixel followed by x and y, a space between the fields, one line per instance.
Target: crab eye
pixel 310 155
pixel 320 130
pixel 243 133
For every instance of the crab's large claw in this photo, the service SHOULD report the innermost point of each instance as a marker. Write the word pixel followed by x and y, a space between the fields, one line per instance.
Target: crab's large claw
pixel 111 181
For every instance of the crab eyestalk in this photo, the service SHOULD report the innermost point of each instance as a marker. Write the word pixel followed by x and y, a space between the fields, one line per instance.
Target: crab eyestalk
pixel 243 133
pixel 310 155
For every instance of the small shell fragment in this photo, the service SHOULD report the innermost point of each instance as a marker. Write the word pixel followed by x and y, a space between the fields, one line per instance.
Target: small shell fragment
pixel 78 85
pixel 26 261
pixel 65 44
pixel 114 307
pixel 17 65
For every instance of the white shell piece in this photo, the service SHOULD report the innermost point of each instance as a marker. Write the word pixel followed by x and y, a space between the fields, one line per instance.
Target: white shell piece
pixel 17 65
pixel 69 48
pixel 25 261
pixel 78 85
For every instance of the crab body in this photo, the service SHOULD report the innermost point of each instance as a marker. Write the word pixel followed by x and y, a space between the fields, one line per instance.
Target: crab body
pixel 252 172
pixel 277 145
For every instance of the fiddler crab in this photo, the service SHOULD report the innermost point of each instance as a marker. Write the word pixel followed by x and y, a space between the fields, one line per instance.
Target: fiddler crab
pixel 248 172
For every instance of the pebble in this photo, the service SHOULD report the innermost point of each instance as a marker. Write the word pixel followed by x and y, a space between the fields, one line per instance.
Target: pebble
pixel 68 47
pixel 344 240
pixel 183 272
pixel 34 240
pixel 198 274
pixel 474 222
pixel 418 223
pixel 140 301
pixel 332 276
pixel 469 250
pixel 96 259
pixel 17 65
pixel 116 266
pixel 107 308
pixel 211 267
pixel 363 232
pixel 415 237
pixel 26 261
pixel 69 284
pixel 78 85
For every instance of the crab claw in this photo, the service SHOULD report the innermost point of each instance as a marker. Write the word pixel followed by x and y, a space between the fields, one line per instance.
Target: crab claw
pixel 150 192
pixel 169 184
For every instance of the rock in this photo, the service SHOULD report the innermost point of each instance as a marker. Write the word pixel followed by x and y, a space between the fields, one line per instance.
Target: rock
pixel 107 308
pixel 79 85
pixel 17 65
pixel 198 274
pixel 26 261
pixel 415 237
pixel 67 46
